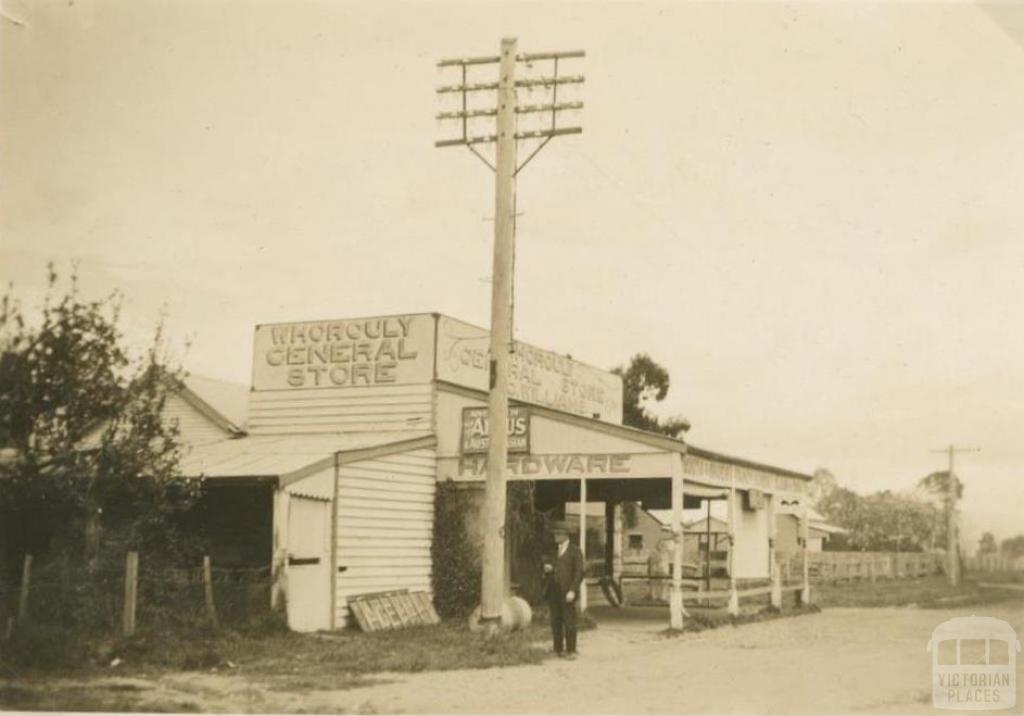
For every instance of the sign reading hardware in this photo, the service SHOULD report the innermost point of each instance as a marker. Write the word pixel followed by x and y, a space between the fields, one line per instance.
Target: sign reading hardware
pixel 476 430
pixel 552 465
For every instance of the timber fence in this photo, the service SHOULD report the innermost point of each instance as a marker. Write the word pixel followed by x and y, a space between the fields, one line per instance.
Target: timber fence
pixel 994 563
pixel 129 594
pixel 851 566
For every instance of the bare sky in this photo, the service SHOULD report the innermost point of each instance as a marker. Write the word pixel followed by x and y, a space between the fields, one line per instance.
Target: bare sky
pixel 809 212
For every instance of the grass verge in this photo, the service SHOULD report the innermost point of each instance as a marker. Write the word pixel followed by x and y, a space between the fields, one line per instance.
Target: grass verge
pixel 713 620
pixel 273 656
pixel 272 649
pixel 927 592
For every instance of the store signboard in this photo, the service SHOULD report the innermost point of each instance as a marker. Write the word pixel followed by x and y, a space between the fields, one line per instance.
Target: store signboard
pixel 476 430
pixel 536 376
pixel 358 352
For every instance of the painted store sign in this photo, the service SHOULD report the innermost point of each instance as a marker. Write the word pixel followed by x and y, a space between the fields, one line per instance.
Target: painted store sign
pixel 537 376
pixel 387 350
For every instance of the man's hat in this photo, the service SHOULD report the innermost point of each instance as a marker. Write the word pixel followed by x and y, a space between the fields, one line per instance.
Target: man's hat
pixel 560 526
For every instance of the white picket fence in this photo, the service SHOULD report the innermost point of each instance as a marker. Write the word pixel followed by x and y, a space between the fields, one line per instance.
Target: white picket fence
pixel 846 566
pixel 994 563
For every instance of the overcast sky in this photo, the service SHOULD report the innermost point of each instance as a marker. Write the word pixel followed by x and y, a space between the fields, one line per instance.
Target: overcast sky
pixel 810 213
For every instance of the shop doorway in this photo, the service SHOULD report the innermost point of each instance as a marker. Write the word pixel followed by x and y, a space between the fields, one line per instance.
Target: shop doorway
pixel 309 557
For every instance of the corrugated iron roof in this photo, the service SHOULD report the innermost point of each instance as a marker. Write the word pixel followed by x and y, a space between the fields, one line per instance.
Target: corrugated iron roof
pixel 280 455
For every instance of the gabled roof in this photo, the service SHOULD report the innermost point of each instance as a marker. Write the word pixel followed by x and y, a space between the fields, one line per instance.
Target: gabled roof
pixel 827 528
pixel 223 402
pixel 787 508
pixel 700 526
pixel 288 458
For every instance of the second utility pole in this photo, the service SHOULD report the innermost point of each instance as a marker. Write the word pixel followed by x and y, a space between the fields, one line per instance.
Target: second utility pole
pixel 952 538
pixel 493 577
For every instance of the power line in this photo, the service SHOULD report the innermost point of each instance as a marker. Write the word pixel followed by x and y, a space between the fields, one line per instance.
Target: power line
pixel 505 138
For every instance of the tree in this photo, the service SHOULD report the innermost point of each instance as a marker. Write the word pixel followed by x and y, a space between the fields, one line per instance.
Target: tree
pixel 937 484
pixel 644 381
pixel 882 521
pixel 821 486
pixel 80 420
pixel 987 544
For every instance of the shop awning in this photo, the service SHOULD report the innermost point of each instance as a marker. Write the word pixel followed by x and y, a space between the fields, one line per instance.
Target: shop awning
pixel 286 457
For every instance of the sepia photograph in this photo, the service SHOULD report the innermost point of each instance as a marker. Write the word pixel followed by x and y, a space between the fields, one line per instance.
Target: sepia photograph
pixel 511 357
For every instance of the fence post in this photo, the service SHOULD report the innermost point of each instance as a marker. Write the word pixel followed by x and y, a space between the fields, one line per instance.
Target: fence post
pixel 776 593
pixel 211 609
pixel 26 576
pixel 131 592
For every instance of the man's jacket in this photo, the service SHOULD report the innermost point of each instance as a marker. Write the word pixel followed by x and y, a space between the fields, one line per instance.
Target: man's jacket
pixel 567 574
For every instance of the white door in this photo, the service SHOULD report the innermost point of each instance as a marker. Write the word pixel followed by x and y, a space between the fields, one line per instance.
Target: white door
pixel 309 568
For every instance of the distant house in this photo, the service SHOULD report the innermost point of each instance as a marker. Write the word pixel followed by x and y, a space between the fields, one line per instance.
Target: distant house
pixel 787 526
pixel 637 542
pixel 704 535
pixel 643 539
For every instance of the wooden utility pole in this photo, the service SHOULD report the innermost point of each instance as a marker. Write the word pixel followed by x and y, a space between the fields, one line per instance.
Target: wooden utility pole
pixel 211 607
pixel 505 139
pixel 952 538
pixel 131 593
pixel 493 585
pixel 26 578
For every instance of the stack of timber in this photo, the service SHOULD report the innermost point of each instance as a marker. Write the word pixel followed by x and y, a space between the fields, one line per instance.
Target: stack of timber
pixel 398 609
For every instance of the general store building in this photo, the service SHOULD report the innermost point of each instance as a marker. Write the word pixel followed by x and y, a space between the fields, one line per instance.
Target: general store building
pixel 350 425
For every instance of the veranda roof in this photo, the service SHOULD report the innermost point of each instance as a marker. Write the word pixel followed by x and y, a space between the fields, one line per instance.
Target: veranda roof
pixel 286 456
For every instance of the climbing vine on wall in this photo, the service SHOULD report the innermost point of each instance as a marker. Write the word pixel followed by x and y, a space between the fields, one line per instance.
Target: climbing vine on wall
pixel 455 560
pixel 455 554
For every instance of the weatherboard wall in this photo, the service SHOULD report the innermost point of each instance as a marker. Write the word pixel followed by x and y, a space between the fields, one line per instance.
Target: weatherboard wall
pixel 385 519
pixel 334 410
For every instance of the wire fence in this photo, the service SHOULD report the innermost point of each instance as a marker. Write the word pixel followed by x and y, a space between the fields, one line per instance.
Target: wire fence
pixel 117 597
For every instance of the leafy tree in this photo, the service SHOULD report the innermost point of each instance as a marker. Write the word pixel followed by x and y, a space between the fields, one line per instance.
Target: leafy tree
pixel 86 449
pixel 821 486
pixel 882 521
pixel 987 544
pixel 937 485
pixel 644 381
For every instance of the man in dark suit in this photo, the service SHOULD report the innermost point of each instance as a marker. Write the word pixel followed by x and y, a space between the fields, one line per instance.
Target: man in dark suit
pixel 564 571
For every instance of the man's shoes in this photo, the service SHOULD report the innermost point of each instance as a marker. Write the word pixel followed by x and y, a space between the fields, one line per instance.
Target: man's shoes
pixel 571 656
pixel 560 654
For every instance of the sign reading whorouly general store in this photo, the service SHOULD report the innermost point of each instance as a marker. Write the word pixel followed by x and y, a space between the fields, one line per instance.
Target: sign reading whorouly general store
pixel 388 350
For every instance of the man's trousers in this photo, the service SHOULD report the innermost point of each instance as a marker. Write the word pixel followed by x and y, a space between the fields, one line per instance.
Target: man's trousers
pixel 563 624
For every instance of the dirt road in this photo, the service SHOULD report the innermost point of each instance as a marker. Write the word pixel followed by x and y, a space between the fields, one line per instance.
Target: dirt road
pixel 841 660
